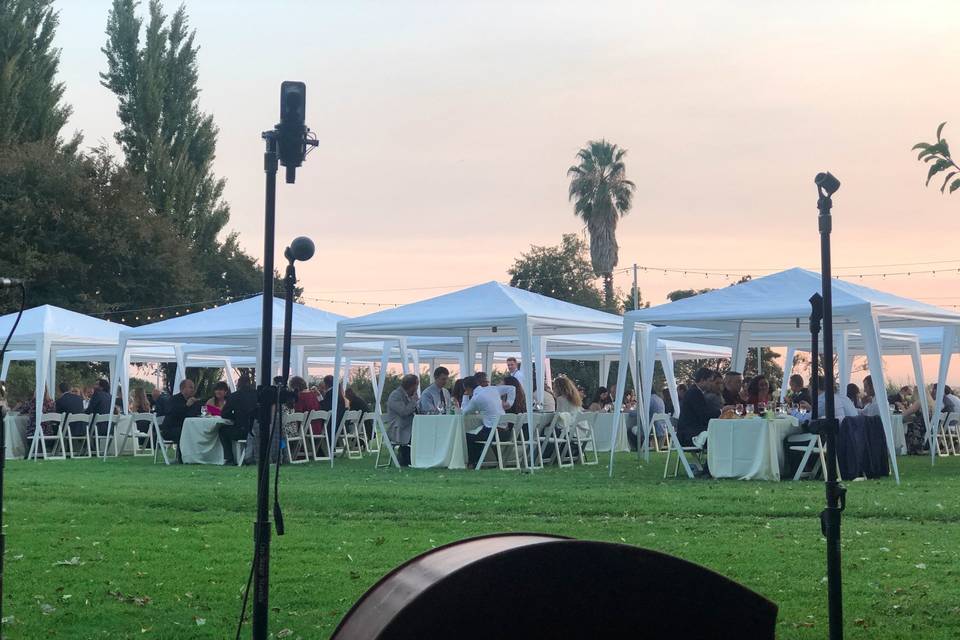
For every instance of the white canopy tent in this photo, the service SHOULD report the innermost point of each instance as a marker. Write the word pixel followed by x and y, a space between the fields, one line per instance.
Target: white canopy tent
pixel 235 327
pixel 46 329
pixel 482 311
pixel 779 303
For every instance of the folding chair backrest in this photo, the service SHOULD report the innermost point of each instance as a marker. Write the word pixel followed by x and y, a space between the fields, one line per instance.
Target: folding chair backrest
pixel 74 418
pixel 47 418
pixel 352 417
pixel 142 417
pixel 507 419
pixel 292 417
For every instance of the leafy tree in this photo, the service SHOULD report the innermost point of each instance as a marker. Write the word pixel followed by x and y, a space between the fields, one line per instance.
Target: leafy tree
pixel 77 226
pixel 164 135
pixel 680 294
pixel 31 107
pixel 561 272
pixel 626 300
pixel 939 154
pixel 601 195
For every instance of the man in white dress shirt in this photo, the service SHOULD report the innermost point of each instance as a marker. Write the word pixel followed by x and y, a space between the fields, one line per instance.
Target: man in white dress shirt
pixel 488 401
pixel 843 406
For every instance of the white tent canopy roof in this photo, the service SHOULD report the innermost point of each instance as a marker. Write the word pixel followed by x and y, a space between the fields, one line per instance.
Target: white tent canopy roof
pixel 780 302
pixel 60 327
pixel 239 323
pixel 483 310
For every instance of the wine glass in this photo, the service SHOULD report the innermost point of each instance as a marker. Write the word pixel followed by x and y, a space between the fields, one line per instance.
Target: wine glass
pixel 739 409
pixel 749 409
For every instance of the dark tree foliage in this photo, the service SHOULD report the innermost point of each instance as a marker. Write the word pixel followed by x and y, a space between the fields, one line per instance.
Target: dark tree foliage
pixel 31 107
pixel 938 155
pixel 560 271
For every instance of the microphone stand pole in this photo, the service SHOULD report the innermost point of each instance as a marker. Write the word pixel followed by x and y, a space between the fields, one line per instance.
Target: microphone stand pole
pixel 835 492
pixel 816 316
pixel 267 396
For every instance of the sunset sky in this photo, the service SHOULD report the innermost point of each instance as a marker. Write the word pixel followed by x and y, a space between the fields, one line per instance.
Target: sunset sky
pixel 446 129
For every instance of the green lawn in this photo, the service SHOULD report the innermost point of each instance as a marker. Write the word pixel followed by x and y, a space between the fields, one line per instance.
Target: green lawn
pixel 128 549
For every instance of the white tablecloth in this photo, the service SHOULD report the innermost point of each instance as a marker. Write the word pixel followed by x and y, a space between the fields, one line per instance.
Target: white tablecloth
pixel 200 441
pixel 749 449
pixel 603 431
pixel 440 441
pixel 15 428
pixel 899 438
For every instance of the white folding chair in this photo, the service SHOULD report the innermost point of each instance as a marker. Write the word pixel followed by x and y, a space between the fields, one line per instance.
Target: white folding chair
pixel 144 441
pixel 500 445
pixel 162 445
pixel 813 446
pixel 951 429
pixel 581 437
pixel 384 445
pixel 40 440
pixel 82 420
pixel 557 434
pixel 373 440
pixel 527 432
pixel 295 436
pixel 944 447
pixel 681 452
pixel 321 452
pixel 350 429
pixel 99 439
pixel 663 419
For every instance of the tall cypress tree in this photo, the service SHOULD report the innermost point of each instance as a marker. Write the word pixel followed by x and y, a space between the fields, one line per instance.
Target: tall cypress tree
pixel 31 107
pixel 164 135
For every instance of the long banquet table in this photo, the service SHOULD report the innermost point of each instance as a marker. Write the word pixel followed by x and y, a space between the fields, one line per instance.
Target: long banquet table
pixel 200 441
pixel 15 428
pixel 440 441
pixel 749 448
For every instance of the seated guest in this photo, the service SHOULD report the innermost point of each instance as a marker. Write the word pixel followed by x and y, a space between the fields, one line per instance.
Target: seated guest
pixel 758 393
pixel 183 405
pixel 359 404
pixel 401 407
pixel 139 402
pixel 306 400
pixel 869 405
pixel 49 406
pixel 488 402
pixel 950 400
pixel 520 398
pixel 853 393
pixel 218 399
pixel 68 402
pixel 583 394
pixel 161 401
pixel 568 396
pixel 656 406
pixel 481 378
pixel 601 400
pixel 630 401
pixel 435 399
pixel 732 385
pixel 714 393
pixel 326 402
pixel 457 394
pixel 100 399
pixel 694 412
pixel 914 426
pixel 668 401
pixel 798 393
pixel 240 407
pixel 681 392
pixel 843 406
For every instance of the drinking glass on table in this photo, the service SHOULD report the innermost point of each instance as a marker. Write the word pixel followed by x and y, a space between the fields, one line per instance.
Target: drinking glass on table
pixel 739 409
pixel 203 411
pixel 749 409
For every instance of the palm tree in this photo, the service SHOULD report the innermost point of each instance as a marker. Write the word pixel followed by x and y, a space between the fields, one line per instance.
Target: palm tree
pixel 601 195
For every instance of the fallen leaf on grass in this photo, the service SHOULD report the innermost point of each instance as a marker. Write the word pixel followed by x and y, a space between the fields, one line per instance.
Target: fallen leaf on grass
pixel 200 621
pixel 284 633
pixel 47 609
pixel 72 562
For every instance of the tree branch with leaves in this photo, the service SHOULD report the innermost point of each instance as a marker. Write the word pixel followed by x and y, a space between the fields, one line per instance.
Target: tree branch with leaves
pixel 939 154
